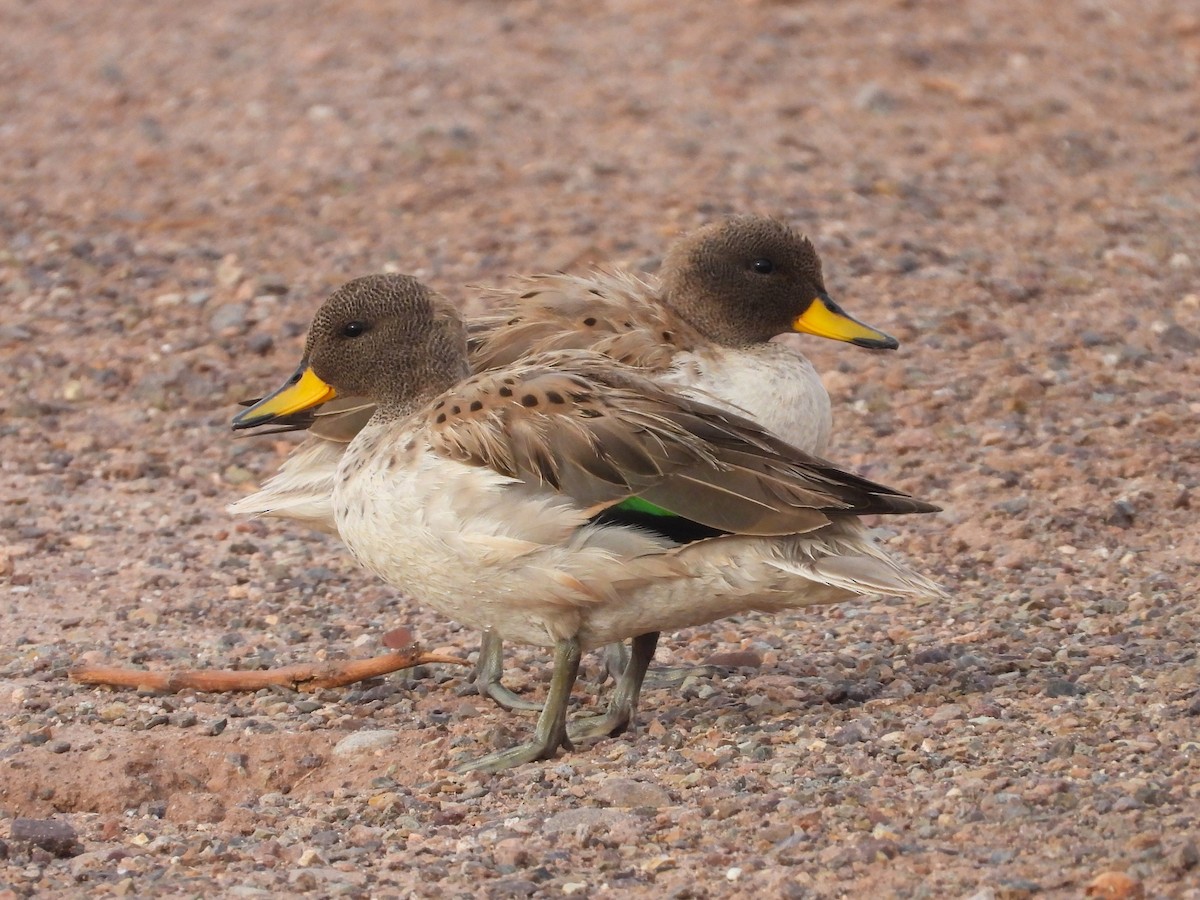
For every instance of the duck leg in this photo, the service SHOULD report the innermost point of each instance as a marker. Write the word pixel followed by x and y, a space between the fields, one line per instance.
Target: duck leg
pixel 488 672
pixel 623 703
pixel 551 730
pixel 616 659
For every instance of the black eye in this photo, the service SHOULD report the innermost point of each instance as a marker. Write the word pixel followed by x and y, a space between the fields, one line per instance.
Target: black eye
pixel 353 329
pixel 763 266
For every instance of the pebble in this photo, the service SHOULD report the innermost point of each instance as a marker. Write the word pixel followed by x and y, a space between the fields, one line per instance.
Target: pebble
pixel 628 793
pixel 231 316
pixel 1115 886
pixel 947 712
pixel 362 741
pixel 591 816
pixel 1187 857
pixel 1060 687
pixel 511 852
pixel 734 659
pixel 55 836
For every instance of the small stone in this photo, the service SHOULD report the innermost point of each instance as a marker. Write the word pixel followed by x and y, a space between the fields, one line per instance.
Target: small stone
pixel 95 860
pixel 361 741
pixel 591 816
pixel 1018 889
pixel 59 746
pixel 144 615
pixel 54 836
pixel 628 794
pixel 233 316
pixel 850 734
pixel 215 727
pixel 1187 857
pixel 1115 886
pixel 734 659
pixel 36 738
pixel 1060 687
pixel 273 284
pixel 875 97
pixel 237 475
pixel 948 712
pixel 397 638
pixel 511 852
pixel 309 856
pixel 1180 338
pixel 1015 506
pixel 228 273
pixel 1122 514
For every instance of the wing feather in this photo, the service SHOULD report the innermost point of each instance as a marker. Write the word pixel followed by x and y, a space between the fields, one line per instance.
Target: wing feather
pixel 600 433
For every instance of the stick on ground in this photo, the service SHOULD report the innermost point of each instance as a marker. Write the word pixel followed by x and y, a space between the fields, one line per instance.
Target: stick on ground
pixel 300 677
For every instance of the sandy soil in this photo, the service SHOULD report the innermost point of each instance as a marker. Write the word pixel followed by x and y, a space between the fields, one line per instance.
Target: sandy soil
pixel 1012 188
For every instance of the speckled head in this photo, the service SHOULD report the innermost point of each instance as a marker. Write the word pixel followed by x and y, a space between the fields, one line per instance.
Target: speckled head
pixel 749 278
pixel 387 338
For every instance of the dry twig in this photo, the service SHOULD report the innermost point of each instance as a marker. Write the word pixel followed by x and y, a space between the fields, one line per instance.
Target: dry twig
pixel 300 677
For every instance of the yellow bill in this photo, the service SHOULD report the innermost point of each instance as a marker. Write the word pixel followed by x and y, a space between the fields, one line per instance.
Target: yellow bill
pixel 826 319
pixel 302 391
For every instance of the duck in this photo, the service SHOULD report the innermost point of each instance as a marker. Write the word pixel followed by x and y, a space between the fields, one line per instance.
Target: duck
pixel 704 326
pixel 567 500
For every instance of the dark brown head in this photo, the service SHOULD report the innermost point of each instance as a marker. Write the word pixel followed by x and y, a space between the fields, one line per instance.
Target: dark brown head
pixel 387 338
pixel 747 279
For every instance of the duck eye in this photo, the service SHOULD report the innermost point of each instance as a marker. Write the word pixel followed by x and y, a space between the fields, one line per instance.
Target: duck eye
pixel 353 329
pixel 763 266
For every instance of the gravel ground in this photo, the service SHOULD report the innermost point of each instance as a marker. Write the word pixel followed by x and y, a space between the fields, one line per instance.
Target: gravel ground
pixel 1012 188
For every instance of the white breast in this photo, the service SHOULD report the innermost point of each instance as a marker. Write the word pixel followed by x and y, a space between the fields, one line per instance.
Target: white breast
pixel 771 384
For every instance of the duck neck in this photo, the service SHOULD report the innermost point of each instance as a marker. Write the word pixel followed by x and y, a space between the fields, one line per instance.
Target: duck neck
pixel 419 390
pixel 707 319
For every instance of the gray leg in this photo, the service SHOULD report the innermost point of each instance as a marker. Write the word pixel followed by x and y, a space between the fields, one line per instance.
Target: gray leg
pixel 488 672
pixel 623 704
pixel 677 675
pixel 551 731
pixel 616 658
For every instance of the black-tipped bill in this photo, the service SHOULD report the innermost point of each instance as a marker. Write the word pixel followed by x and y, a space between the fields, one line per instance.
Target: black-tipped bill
pixel 826 319
pixel 302 391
